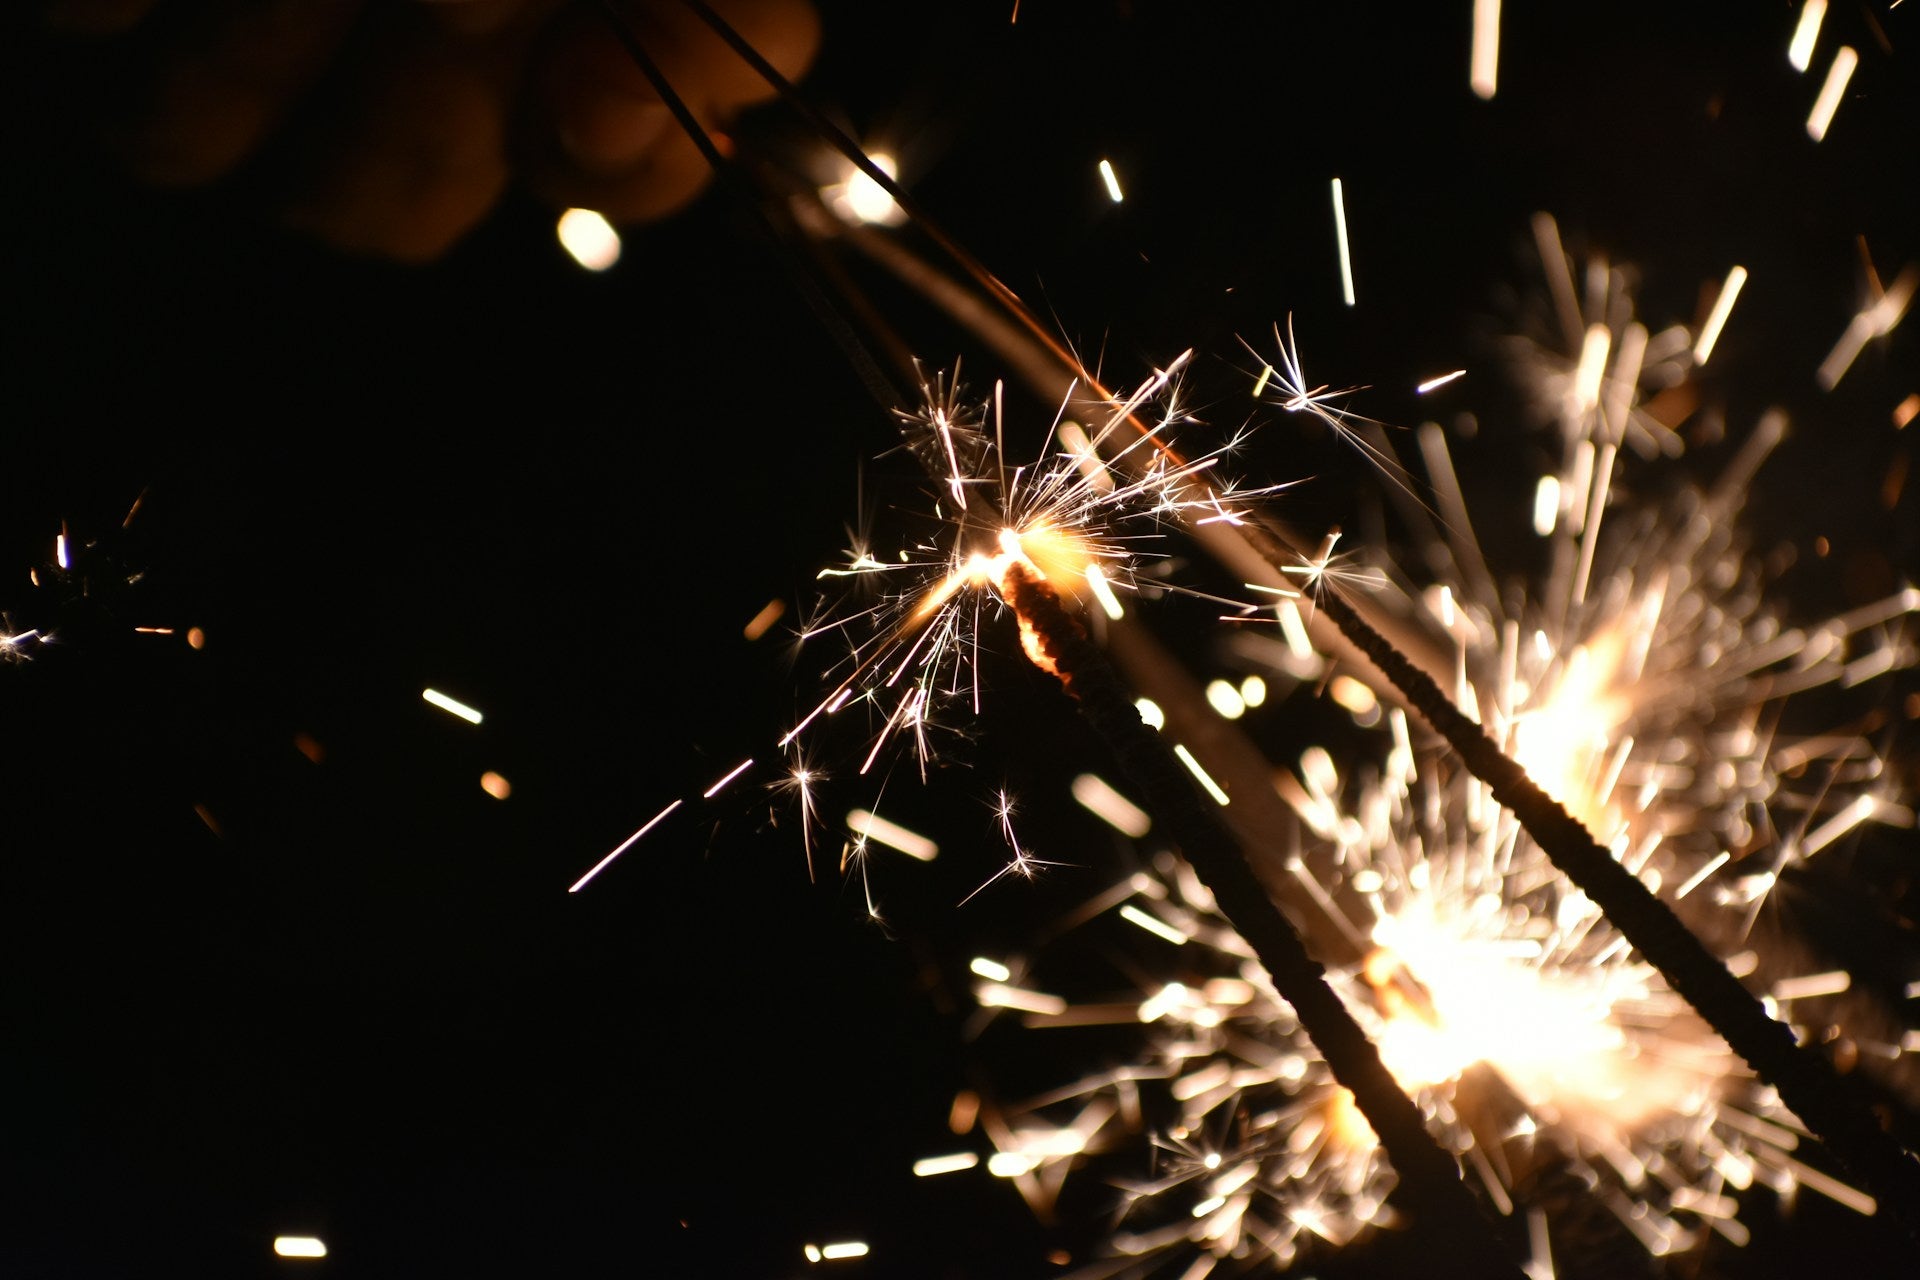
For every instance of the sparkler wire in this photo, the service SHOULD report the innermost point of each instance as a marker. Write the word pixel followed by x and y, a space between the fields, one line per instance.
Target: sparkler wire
pixel 1806 1082
pixel 1430 1179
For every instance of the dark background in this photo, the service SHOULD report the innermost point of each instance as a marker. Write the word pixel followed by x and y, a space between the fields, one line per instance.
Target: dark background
pixel 354 999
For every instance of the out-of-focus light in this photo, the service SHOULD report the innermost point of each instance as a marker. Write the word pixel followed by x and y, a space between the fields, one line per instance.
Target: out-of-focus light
pixel 991 970
pixel 1151 713
pixel 1340 237
pixel 845 1249
pixel 892 834
pixel 1100 799
pixel 1353 695
pixel 60 549
pixel 1253 691
pixel 1112 179
pixel 452 706
pixel 858 198
pixel 1546 504
pixel 196 638
pixel 763 621
pixel 1806 33
pixel 1153 925
pixel 1906 411
pixel 589 238
pixel 300 1246
pixel 1484 72
pixel 310 747
pixel 495 785
pixel 933 1166
pixel 1820 119
pixel 1226 699
pixel 1717 319
pixel 1200 775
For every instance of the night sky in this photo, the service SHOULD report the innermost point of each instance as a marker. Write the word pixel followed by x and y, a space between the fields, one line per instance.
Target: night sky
pixel 274 963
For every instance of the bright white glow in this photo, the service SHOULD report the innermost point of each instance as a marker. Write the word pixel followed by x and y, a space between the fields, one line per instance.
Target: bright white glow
pixel 998 995
pixel 892 834
pixel 1820 119
pixel 1483 74
pixel 1340 236
pixel 300 1246
pixel 1152 924
pixel 934 1166
pixel 1200 775
pixel 1353 695
pixel 858 198
pixel 1831 983
pixel 589 238
pixel 1225 699
pixel 1876 321
pixel 1546 504
pixel 1103 592
pixel 60 549
pixel 451 705
pixel 1253 691
pixel 1440 381
pixel 735 772
pixel 1806 33
pixel 1717 319
pixel 623 846
pixel 1150 713
pixel 1112 179
pixel 1099 798
pixel 991 970
pixel 845 1249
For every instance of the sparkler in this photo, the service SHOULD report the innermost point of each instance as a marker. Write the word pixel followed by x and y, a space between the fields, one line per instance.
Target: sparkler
pixel 1014 576
pixel 1640 687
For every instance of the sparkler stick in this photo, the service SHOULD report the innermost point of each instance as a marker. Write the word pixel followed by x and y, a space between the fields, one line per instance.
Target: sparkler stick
pixel 1431 1180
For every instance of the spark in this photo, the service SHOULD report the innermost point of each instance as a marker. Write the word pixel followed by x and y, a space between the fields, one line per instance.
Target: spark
pixel 991 970
pixel 453 706
pixel 589 239
pixel 1098 797
pixel 871 826
pixel 934 1166
pixel 1340 238
pixel 731 774
pixel 763 621
pixel 1722 308
pixel 495 785
pixel 1112 181
pixel 1820 119
pixel 1153 924
pixel 1200 774
pixel 1225 700
pixel 857 198
pixel 1434 383
pixel 1806 33
pixel 299 1247
pixel 623 846
pixel 837 1252
pixel 1876 320
pixel 1483 75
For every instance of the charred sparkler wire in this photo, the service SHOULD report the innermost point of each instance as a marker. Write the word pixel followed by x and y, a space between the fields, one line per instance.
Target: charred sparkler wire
pixel 1805 1081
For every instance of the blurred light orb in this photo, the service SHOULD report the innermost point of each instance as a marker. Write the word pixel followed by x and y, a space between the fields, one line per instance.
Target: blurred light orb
pixel 590 238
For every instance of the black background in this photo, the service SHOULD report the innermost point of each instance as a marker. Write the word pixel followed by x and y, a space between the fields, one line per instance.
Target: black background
pixel 365 1007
